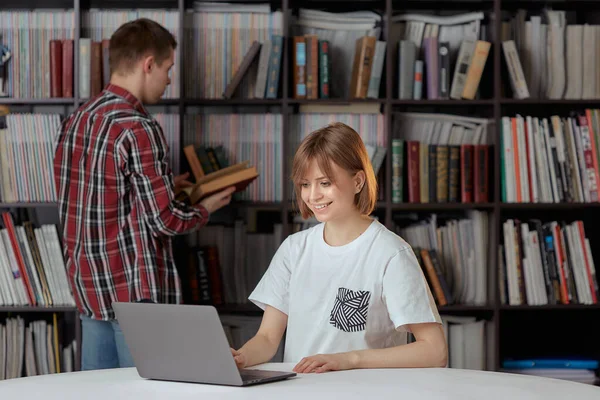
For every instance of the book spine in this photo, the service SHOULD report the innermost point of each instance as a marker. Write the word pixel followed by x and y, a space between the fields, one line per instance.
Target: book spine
pixel 299 67
pixel 376 71
pixel 444 78
pixel 465 54
pixel 453 173
pixel 418 84
pixel 442 173
pixel 397 183
pixel 324 68
pixel 466 173
pixel 312 67
pixel 482 49
pixel 481 173
pixel 85 50
pixel 56 58
pixel 96 69
pixel 67 67
pixel 274 67
pixel 413 171
pixel 432 180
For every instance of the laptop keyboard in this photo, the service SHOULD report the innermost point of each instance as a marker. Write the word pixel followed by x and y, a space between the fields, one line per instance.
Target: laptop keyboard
pixel 250 375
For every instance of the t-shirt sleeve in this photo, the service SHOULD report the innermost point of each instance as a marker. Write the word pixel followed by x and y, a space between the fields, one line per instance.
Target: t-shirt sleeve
pixel 273 288
pixel 406 292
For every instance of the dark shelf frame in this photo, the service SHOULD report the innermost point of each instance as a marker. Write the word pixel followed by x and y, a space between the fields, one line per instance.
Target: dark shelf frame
pixel 496 106
pixel 37 309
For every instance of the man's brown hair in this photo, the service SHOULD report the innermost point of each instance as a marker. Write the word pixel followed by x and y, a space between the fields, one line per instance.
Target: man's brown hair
pixel 136 39
pixel 342 145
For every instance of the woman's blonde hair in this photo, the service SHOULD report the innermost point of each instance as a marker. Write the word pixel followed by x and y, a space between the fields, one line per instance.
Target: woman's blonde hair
pixel 342 145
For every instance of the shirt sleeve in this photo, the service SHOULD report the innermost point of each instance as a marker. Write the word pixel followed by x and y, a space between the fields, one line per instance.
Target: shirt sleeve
pixel 406 292
pixel 273 288
pixel 145 160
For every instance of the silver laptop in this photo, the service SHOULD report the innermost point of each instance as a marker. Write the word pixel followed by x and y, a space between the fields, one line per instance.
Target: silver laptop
pixel 184 343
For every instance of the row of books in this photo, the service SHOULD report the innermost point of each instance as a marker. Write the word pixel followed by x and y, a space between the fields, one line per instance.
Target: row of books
pixel 452 252
pixel 342 32
pixel 467 342
pixel 93 67
pixel 430 66
pixel 97 27
pixel 580 370
pixel 267 69
pixel 551 160
pixel 313 67
pixel 26 154
pixel 253 137
pixel 47 36
pixel 217 42
pixel 558 54
pixel 32 269
pixel 217 275
pixel 34 348
pixel 439 158
pixel 546 263
pixel 27 35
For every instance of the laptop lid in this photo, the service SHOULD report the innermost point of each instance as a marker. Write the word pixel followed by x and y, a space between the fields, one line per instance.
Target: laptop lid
pixel 177 342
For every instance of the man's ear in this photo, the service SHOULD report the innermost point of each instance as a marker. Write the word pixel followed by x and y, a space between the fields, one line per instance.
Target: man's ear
pixel 148 64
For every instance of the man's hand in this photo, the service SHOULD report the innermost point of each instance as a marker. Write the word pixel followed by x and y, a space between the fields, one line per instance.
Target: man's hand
pixel 181 182
pixel 214 202
pixel 325 362
pixel 240 359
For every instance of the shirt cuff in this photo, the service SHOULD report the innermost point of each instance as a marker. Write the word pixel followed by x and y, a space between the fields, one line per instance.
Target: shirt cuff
pixel 203 212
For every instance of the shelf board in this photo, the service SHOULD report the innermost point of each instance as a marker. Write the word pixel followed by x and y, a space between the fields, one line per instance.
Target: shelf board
pixel 28 205
pixel 253 309
pixel 256 204
pixel 334 101
pixel 232 102
pixel 551 307
pixel 37 309
pixel 48 101
pixel 426 102
pixel 465 308
pixel 246 308
pixel 548 101
pixel 547 206
pixel 440 206
pixel 161 102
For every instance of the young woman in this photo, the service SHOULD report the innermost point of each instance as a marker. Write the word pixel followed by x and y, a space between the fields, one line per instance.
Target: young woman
pixel 348 288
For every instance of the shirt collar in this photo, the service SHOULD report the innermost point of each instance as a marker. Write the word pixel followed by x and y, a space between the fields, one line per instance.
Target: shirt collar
pixel 127 96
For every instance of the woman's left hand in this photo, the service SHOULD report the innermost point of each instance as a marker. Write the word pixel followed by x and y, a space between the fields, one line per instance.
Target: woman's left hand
pixel 325 362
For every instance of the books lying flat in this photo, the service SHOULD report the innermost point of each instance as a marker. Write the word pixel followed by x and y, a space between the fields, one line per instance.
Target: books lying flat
pixel 239 175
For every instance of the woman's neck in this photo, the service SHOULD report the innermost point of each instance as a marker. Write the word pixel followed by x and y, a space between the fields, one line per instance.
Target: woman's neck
pixel 341 232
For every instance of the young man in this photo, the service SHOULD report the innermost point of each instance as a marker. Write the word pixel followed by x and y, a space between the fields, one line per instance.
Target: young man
pixel 116 194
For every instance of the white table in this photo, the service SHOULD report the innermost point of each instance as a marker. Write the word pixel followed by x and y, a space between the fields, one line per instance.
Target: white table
pixel 421 384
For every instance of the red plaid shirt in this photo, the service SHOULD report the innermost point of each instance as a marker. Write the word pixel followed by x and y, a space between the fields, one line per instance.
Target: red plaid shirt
pixel 116 205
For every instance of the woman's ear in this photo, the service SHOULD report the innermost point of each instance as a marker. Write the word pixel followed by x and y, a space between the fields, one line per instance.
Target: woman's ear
pixel 359 181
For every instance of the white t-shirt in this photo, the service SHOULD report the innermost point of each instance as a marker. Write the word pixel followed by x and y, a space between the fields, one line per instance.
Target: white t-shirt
pixel 343 298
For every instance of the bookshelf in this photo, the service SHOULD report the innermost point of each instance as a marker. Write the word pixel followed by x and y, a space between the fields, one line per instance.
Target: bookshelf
pixel 504 318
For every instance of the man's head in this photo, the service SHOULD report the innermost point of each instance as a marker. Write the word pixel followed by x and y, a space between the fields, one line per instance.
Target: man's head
pixel 141 54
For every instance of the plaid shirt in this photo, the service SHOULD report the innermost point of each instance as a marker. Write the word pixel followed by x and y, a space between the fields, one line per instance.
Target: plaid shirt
pixel 116 205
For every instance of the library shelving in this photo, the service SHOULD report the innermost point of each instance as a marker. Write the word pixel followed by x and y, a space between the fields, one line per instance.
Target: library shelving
pixel 493 104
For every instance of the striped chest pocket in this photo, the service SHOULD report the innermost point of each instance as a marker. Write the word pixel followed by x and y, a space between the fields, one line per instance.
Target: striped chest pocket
pixel 349 312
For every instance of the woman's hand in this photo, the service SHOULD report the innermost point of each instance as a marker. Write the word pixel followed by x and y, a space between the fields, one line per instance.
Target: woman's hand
pixel 240 359
pixel 325 362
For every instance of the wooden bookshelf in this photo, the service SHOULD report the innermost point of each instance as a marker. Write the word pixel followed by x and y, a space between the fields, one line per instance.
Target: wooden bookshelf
pixel 496 106
pixel 32 309
pixel 28 205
